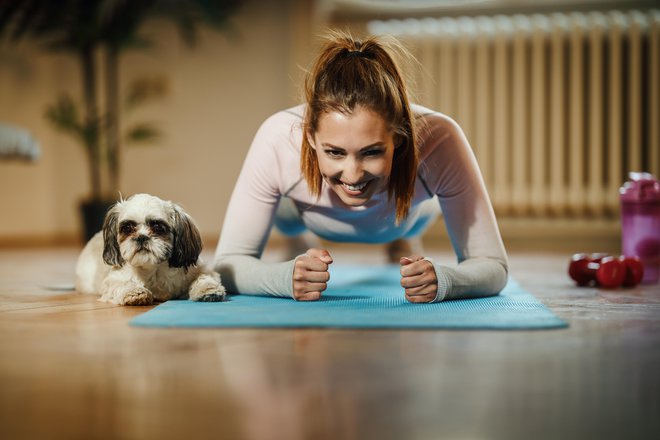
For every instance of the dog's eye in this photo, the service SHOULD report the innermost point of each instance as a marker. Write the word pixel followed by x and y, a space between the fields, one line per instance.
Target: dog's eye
pixel 158 228
pixel 127 228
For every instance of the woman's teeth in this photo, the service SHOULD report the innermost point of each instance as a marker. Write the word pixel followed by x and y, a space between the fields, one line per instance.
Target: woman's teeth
pixel 359 187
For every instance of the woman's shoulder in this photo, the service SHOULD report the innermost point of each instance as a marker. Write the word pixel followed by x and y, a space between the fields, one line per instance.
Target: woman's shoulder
pixel 285 119
pixel 433 129
pixel 440 142
pixel 283 128
pixel 429 118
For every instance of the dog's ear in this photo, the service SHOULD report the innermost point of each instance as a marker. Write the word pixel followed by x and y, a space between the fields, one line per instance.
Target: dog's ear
pixel 111 252
pixel 187 243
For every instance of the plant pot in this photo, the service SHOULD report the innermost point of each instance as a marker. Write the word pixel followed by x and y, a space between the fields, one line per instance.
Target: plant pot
pixel 93 213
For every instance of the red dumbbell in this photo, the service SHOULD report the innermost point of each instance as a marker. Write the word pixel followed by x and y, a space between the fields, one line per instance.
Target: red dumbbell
pixel 600 269
pixel 634 270
pixel 577 269
pixel 583 268
pixel 610 273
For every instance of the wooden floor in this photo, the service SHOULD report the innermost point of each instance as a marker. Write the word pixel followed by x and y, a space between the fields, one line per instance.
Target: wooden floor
pixel 72 367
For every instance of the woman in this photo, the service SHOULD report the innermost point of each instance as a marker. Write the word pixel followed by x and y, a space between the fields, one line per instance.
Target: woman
pixel 358 163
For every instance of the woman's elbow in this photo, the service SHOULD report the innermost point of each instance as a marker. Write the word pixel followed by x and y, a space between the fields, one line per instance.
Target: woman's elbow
pixel 500 276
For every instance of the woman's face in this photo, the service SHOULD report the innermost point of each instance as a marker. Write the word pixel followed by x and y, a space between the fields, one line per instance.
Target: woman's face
pixel 354 153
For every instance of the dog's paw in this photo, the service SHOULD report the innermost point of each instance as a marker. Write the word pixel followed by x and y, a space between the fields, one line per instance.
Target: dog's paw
pixel 213 294
pixel 210 297
pixel 138 297
pixel 207 288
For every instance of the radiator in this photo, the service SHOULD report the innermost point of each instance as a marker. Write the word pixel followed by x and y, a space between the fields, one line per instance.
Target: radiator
pixel 558 108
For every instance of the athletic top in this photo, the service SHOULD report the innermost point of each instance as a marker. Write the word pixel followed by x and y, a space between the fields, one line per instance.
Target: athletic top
pixel 447 170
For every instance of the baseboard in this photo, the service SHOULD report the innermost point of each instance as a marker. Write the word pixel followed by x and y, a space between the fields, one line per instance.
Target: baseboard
pixel 518 234
pixel 40 240
pixel 564 235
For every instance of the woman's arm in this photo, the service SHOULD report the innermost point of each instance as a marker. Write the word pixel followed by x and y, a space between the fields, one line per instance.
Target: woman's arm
pixel 245 274
pixel 453 174
pixel 250 214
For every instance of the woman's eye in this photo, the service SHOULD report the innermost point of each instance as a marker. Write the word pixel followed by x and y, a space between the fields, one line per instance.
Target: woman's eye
pixel 372 152
pixel 333 153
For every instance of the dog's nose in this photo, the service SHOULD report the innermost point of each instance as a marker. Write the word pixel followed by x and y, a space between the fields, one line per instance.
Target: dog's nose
pixel 142 239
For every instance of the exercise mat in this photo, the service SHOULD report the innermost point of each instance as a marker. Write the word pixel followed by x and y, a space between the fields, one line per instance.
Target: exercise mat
pixel 359 297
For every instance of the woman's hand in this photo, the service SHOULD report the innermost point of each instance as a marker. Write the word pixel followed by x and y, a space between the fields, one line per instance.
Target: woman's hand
pixel 418 278
pixel 310 275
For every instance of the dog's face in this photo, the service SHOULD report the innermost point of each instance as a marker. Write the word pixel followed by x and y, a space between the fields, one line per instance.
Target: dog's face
pixel 146 231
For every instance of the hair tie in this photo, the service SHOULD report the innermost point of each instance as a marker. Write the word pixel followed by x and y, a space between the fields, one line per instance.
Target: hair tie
pixel 359 54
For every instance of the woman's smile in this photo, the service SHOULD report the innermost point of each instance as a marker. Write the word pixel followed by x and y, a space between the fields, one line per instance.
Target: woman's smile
pixel 354 189
pixel 355 152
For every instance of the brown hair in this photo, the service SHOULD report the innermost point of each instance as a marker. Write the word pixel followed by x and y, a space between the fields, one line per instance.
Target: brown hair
pixel 350 73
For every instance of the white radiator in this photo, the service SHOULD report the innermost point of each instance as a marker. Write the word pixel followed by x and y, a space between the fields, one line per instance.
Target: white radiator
pixel 558 108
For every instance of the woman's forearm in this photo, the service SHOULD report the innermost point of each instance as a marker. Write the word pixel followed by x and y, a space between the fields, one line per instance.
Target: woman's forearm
pixel 473 278
pixel 246 274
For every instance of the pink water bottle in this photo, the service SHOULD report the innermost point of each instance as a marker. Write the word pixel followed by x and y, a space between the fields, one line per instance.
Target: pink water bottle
pixel 640 222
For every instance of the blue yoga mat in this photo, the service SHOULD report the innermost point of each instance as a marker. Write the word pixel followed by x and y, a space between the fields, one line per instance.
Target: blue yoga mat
pixel 362 297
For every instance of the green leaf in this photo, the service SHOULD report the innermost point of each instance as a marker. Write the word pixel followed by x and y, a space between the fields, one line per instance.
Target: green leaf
pixel 145 89
pixel 143 133
pixel 64 115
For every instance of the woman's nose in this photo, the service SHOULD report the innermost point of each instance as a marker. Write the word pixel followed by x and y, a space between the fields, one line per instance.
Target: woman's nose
pixel 352 171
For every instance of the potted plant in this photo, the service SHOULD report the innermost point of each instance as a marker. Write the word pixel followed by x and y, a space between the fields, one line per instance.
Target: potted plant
pixel 85 29
pixel 93 136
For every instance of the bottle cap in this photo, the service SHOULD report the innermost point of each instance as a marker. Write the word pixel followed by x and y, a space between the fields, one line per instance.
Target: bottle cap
pixel 641 188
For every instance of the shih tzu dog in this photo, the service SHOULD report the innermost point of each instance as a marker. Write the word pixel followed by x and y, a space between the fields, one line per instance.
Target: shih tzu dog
pixel 147 251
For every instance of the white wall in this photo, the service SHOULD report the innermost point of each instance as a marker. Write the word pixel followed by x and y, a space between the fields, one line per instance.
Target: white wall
pixel 220 92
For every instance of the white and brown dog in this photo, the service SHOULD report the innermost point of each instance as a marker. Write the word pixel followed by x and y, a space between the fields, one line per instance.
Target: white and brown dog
pixel 147 251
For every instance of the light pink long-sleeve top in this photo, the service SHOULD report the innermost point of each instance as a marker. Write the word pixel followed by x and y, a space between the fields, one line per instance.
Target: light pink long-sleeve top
pixel 447 171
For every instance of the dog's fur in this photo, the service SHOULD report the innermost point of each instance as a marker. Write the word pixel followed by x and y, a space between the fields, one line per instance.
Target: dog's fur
pixel 147 251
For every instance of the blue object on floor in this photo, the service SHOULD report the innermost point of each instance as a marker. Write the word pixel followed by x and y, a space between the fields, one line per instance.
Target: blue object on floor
pixel 359 297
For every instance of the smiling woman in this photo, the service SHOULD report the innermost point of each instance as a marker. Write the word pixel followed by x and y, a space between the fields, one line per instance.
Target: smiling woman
pixel 375 169
pixel 354 154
